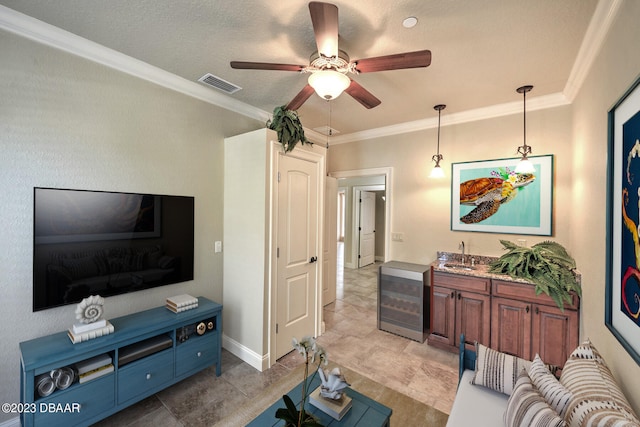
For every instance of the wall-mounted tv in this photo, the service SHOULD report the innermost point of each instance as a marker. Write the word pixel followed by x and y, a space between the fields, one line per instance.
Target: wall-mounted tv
pixel 108 243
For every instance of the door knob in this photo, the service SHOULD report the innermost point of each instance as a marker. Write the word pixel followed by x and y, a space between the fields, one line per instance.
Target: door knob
pixel 313 259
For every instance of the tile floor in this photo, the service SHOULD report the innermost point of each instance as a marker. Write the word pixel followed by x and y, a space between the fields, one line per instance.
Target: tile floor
pixel 351 339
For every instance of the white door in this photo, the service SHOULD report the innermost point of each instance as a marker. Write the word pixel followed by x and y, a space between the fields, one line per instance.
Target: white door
pixel 297 251
pixel 330 241
pixel 367 229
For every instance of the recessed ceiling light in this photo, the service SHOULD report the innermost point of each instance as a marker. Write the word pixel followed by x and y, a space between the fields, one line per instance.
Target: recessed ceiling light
pixel 410 22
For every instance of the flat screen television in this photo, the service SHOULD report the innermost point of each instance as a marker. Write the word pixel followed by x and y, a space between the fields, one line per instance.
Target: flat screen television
pixel 108 243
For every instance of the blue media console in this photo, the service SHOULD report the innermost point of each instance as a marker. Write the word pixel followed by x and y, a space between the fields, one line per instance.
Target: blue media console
pixel 160 348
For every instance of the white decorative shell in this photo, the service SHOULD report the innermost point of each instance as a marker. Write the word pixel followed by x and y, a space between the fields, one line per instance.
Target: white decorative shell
pixel 332 383
pixel 90 309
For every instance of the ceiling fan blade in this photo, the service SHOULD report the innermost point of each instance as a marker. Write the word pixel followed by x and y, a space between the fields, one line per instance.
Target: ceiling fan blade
pixel 362 95
pixel 242 65
pixel 421 58
pixel 300 98
pixel 324 17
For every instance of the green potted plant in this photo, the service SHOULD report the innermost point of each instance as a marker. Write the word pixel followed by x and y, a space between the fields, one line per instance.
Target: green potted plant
pixel 288 127
pixel 547 264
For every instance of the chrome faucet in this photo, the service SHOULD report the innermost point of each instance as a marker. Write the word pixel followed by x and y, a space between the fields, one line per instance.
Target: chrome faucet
pixel 461 246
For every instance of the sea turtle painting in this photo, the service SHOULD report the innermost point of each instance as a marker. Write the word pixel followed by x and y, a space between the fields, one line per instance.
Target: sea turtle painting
pixel 488 193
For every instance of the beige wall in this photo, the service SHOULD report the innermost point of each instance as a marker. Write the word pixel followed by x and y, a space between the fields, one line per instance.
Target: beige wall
pixel 421 205
pixel 66 122
pixel 576 135
pixel 615 69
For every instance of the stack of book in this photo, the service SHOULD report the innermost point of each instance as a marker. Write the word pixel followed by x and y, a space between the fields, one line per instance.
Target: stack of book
pixel 334 408
pixel 180 303
pixel 94 368
pixel 85 332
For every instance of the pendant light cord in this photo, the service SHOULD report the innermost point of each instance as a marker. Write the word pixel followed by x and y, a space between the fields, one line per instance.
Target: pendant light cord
pixel 438 144
pixel 524 149
pixel 524 120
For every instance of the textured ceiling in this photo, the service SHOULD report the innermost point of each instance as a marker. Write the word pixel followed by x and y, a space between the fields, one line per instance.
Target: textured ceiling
pixel 481 50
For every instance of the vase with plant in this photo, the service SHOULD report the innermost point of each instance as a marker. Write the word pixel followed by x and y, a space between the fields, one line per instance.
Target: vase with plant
pixel 312 353
pixel 287 125
pixel 547 264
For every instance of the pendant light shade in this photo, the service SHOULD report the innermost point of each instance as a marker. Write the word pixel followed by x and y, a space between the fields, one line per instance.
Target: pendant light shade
pixel 437 171
pixel 329 84
pixel 525 165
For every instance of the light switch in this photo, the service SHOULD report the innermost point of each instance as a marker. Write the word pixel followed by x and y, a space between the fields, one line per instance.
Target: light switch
pixel 218 246
pixel 397 237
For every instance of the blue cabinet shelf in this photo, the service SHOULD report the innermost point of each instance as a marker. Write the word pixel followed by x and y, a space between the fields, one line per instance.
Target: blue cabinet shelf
pixel 86 403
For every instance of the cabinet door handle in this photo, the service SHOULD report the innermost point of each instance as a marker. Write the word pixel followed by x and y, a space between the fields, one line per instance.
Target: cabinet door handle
pixel 459 296
pixel 453 294
pixel 537 310
pixel 313 259
pixel 199 354
pixel 149 376
pixel 527 309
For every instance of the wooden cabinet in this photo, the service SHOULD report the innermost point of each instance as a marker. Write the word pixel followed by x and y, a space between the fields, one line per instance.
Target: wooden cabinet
pixel 554 333
pixel 443 316
pixel 525 324
pixel 511 327
pixel 459 305
pixel 504 315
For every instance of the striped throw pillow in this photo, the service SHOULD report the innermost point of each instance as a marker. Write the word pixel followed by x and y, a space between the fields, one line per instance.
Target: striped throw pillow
pixel 597 399
pixel 527 408
pixel 496 370
pixel 554 393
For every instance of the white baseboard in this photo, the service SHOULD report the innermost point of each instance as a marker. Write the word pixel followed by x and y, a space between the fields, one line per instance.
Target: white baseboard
pixel 14 422
pixel 261 363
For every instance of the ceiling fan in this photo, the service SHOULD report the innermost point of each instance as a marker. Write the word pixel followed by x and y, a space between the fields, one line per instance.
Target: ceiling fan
pixel 329 65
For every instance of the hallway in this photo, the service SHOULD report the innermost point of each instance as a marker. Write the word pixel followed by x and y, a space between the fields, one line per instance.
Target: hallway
pixel 352 339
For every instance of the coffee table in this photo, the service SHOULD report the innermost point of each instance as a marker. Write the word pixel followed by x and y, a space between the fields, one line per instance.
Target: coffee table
pixel 364 412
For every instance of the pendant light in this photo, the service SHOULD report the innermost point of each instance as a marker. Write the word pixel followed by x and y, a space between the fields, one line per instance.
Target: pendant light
pixel 525 165
pixel 437 171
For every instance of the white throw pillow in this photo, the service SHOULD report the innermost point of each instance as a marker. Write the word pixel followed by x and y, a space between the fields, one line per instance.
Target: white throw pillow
pixel 496 370
pixel 527 408
pixel 554 393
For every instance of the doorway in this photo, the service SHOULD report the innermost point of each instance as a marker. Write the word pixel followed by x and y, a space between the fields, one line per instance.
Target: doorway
pixel 378 181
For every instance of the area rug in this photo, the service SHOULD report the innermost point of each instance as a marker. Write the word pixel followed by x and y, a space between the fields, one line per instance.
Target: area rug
pixel 406 411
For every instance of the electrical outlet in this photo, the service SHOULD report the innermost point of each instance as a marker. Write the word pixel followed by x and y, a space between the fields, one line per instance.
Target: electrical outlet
pixel 397 237
pixel 218 246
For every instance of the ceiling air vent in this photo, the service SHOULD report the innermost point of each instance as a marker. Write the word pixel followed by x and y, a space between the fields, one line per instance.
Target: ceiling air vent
pixel 326 130
pixel 218 83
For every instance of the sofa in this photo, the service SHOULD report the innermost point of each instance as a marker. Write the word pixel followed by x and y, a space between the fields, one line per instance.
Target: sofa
pixel 496 389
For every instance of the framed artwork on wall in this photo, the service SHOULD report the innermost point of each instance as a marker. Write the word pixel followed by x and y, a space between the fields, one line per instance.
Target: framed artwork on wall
pixel 489 196
pixel 622 296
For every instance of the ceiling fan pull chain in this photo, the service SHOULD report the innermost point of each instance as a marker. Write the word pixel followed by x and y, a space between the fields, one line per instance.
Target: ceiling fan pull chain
pixel 329 130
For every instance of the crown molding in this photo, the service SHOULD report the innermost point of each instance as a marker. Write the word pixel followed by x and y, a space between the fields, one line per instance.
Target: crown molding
pixel 41 32
pixel 498 110
pixel 36 30
pixel 603 17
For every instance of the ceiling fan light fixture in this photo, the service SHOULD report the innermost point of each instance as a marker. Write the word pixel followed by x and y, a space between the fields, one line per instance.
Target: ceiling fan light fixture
pixel 329 84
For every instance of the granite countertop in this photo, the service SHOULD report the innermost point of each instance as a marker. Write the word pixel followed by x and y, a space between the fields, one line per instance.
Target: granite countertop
pixel 474 265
